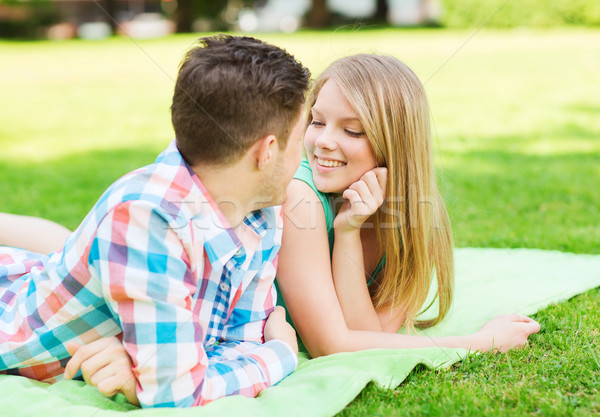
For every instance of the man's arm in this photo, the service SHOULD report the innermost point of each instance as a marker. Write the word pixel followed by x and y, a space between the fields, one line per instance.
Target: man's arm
pixel 259 298
pixel 149 284
pixel 105 364
pixel 256 318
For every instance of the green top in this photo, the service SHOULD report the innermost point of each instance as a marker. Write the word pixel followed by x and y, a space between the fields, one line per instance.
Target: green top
pixel 304 174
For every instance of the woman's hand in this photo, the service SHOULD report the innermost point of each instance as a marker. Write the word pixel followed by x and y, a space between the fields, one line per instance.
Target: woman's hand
pixel 364 197
pixel 506 332
pixel 105 364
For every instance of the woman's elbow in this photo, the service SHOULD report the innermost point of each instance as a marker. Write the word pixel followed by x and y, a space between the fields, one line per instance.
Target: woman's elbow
pixel 329 343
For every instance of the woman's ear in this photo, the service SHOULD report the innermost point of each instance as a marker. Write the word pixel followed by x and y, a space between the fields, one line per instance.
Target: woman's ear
pixel 265 148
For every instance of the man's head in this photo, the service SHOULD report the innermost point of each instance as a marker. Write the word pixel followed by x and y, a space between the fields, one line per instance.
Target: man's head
pixel 231 92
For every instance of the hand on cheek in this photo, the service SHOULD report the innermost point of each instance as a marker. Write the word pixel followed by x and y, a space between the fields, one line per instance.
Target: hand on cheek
pixel 363 197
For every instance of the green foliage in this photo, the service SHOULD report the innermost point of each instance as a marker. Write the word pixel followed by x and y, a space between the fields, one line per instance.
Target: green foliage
pixel 36 14
pixel 210 9
pixel 528 13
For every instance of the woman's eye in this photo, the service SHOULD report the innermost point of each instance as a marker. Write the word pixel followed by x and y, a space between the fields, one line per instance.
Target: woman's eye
pixel 316 123
pixel 354 134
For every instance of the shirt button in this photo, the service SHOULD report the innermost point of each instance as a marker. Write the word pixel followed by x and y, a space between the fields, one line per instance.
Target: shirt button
pixel 224 286
pixel 239 252
pixel 212 341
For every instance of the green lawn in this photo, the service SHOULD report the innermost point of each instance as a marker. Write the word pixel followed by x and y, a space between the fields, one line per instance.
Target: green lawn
pixel 517 134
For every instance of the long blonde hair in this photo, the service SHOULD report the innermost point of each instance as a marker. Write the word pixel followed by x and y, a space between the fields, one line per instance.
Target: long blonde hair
pixel 412 225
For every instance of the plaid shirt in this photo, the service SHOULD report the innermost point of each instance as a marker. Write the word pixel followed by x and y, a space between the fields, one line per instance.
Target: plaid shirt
pixel 155 262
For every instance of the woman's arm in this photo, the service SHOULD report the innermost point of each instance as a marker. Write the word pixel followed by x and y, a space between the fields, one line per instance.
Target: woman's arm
pixel 304 272
pixel 305 279
pixel 349 278
pixel 32 233
pixel 363 199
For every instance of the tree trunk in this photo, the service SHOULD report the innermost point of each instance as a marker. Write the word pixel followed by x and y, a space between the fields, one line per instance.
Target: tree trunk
pixel 319 15
pixel 183 16
pixel 381 13
pixel 110 7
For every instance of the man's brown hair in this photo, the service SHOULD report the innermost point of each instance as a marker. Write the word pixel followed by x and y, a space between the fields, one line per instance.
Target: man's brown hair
pixel 230 92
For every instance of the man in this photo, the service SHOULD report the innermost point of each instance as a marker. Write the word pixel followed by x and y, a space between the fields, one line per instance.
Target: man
pixel 178 258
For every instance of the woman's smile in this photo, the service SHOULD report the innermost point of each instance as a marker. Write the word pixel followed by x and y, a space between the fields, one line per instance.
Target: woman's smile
pixel 329 163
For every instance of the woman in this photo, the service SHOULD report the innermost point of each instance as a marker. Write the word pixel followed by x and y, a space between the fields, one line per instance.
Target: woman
pixel 365 228
pixel 368 148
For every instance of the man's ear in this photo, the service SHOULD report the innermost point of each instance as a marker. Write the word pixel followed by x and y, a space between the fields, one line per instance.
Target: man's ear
pixel 264 152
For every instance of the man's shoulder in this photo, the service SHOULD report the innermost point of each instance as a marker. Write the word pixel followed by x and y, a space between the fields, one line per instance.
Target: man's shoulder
pixel 167 184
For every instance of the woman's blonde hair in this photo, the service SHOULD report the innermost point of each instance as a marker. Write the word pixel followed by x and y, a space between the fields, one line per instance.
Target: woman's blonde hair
pixel 412 225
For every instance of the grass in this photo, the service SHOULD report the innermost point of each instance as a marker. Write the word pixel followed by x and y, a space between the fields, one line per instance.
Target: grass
pixel 558 375
pixel 517 138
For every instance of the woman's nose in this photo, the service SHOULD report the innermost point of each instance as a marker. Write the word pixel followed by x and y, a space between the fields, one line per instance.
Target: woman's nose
pixel 326 140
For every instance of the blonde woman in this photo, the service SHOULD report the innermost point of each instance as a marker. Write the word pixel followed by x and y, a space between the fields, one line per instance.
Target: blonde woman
pixel 365 228
pixel 357 268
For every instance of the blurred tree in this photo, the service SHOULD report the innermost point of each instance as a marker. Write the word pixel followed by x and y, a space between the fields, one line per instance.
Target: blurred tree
pixel 183 16
pixel 319 15
pixel 27 18
pixel 381 12
pixel 189 10
pixel 110 7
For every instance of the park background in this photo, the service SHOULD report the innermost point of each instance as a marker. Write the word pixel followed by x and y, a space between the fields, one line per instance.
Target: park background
pixel 515 97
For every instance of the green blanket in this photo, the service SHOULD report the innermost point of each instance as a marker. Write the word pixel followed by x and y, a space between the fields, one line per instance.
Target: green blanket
pixel 488 282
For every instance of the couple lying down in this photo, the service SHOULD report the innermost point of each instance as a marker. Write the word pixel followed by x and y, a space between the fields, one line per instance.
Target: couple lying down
pixel 165 292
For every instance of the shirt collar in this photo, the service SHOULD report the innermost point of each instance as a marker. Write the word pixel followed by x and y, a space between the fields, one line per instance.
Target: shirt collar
pixel 221 242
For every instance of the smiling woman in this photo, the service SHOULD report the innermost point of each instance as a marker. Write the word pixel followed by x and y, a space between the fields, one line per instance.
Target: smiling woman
pixel 372 255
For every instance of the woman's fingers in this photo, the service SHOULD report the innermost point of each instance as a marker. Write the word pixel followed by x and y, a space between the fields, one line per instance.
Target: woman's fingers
pixel 530 323
pixel 533 326
pixel 364 197
pixel 368 201
pixel 372 180
pixel 508 331
pixel 352 196
pixel 355 204
pixel 382 174
pixel 520 317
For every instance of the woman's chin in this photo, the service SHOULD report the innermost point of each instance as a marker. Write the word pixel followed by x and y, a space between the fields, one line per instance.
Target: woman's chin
pixel 329 188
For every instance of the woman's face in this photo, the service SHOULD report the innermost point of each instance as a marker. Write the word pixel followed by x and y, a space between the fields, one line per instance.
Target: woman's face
pixel 338 150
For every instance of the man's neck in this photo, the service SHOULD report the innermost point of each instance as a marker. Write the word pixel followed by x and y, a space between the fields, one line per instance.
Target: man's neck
pixel 232 187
